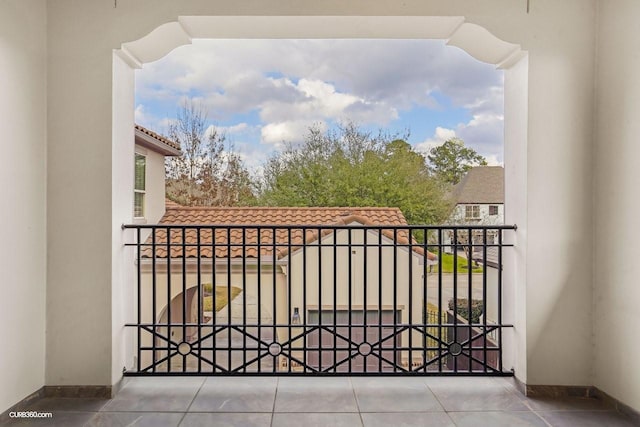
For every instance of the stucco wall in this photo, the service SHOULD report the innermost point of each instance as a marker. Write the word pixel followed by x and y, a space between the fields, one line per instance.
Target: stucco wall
pixel 616 202
pixel 554 227
pixel 22 174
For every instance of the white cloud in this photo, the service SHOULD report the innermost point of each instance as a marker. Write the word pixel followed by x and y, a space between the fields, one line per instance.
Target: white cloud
pixel 345 76
pixel 276 134
pixel 483 133
pixel 281 87
pixel 440 136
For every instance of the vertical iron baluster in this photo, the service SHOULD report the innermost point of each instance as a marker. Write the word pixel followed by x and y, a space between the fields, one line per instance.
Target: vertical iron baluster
pixel 153 298
pixel 410 302
pixel 335 299
pixel 289 294
pixel 350 301
pixel 500 300
pixel 380 299
pixel 395 301
pixel 320 299
pixel 470 293
pixel 229 351
pixel 169 319
pixel 214 284
pixel 259 322
pixel 440 311
pixel 425 263
pixel 455 295
pixel 274 293
pixel 365 284
pixel 199 290
pixel 139 302
pixel 184 294
pixel 304 297
pixel 244 299
pixel 485 304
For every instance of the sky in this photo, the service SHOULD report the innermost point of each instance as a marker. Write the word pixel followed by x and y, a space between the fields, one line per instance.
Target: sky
pixel 261 93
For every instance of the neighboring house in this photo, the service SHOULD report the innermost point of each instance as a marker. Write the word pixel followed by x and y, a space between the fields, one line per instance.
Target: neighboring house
pixel 279 274
pixel 149 176
pixel 479 200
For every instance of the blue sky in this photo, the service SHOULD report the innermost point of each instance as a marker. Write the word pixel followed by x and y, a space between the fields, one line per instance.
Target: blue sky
pixel 264 92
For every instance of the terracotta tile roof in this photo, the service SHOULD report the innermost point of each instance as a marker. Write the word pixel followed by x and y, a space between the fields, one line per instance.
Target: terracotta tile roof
pixel 170 204
pixel 232 238
pixel 161 139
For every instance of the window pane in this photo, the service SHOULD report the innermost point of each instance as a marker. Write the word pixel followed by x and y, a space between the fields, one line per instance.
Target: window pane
pixel 138 205
pixel 141 163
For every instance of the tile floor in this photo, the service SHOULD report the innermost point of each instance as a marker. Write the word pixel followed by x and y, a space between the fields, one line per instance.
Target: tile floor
pixel 308 402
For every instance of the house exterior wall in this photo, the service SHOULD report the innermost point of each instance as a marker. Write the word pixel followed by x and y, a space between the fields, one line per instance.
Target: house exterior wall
pixel 616 203
pixel 358 274
pixel 23 112
pixel 155 185
pixel 85 120
pixel 459 214
pixel 247 281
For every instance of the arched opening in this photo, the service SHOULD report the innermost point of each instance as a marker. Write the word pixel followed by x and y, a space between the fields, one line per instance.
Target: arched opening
pixel 472 38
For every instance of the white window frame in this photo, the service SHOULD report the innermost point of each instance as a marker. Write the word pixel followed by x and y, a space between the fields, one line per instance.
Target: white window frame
pixel 143 191
pixel 472 211
pixel 497 209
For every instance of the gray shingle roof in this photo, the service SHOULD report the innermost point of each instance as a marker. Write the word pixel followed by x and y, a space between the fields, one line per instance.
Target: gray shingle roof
pixel 481 185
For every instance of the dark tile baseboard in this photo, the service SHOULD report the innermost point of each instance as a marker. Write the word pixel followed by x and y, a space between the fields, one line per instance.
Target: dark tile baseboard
pixel 620 407
pixel 68 391
pixel 559 391
pixel 79 391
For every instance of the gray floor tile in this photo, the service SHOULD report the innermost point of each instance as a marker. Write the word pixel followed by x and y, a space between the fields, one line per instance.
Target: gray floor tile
pixel 55 404
pixel 160 394
pixel 394 395
pixel 407 419
pixel 315 395
pixel 316 420
pixel 586 419
pixel 236 394
pixel 137 419
pixel 497 419
pixel 226 420
pixel 474 394
pixel 59 419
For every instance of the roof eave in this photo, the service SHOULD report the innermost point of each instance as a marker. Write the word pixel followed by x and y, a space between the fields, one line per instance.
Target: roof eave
pixel 154 144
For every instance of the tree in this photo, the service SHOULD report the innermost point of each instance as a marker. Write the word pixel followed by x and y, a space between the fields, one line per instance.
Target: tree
pixel 451 160
pixel 350 167
pixel 206 174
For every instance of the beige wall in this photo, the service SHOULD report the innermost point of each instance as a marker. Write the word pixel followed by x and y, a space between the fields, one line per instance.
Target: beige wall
pixel 616 203
pixel 23 113
pixel 557 112
pixel 86 118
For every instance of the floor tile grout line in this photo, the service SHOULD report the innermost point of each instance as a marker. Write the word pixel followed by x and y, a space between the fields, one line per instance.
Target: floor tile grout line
pixel 275 396
pixel 355 398
pixel 544 420
pixel 192 400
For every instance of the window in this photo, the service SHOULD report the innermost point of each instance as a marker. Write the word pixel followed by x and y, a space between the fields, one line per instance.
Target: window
pixel 493 210
pixel 472 211
pixel 139 187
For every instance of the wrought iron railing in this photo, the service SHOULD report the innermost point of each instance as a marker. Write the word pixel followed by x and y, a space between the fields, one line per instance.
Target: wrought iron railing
pixel 318 300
